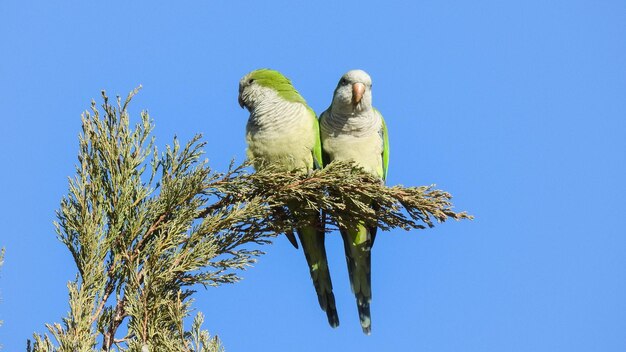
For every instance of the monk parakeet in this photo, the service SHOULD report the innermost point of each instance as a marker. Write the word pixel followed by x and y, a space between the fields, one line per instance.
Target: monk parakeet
pixel 283 131
pixel 351 129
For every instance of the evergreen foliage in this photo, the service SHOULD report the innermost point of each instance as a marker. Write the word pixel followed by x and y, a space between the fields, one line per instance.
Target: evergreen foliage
pixel 146 228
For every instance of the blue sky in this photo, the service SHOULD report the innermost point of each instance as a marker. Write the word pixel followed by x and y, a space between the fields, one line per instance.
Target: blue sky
pixel 517 109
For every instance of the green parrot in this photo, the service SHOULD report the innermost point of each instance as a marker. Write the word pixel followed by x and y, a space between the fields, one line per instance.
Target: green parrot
pixel 283 131
pixel 351 129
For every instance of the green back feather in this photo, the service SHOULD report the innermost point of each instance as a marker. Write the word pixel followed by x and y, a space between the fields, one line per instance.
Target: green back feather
pixel 275 80
pixel 385 136
pixel 317 148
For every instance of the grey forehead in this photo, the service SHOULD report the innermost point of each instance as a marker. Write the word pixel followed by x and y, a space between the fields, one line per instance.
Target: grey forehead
pixel 357 76
pixel 244 79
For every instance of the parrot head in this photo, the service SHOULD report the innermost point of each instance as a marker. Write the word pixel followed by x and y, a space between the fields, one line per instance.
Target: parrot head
pixel 353 92
pixel 265 83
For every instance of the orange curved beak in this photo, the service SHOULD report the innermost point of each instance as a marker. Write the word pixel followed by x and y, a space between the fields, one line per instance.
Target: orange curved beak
pixel 358 89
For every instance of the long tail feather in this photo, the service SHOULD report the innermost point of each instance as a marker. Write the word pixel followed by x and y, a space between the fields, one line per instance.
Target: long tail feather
pixel 312 240
pixel 292 239
pixel 358 244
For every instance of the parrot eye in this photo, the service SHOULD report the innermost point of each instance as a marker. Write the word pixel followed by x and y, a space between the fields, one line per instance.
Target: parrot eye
pixel 343 81
pixel 251 80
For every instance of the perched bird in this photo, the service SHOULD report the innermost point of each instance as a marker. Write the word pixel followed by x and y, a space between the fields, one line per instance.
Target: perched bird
pixel 283 131
pixel 351 129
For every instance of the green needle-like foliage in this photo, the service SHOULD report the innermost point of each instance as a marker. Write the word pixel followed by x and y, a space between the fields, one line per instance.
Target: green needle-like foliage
pixel 146 228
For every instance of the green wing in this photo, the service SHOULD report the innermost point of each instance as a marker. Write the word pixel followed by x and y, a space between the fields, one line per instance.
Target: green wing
pixel 325 156
pixel 317 148
pixel 385 138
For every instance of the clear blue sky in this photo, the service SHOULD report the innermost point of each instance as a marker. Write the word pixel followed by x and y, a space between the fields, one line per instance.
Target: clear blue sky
pixel 517 109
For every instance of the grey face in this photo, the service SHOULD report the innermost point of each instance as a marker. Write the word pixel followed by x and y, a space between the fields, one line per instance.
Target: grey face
pixel 353 92
pixel 245 87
